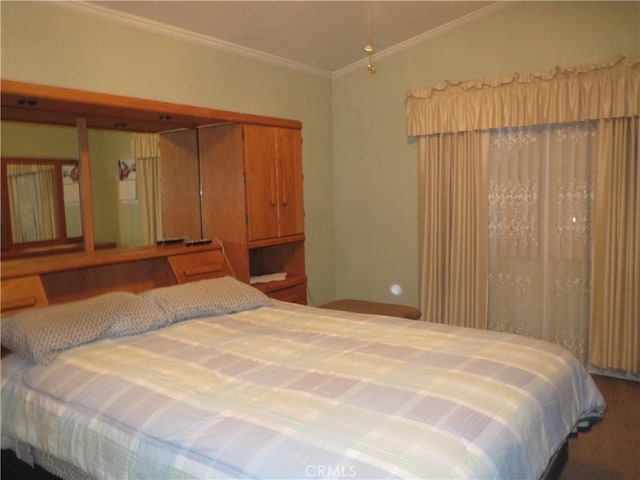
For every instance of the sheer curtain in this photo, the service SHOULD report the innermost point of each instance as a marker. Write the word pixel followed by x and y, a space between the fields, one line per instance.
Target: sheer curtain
pixel 146 152
pixel 540 203
pixel 553 134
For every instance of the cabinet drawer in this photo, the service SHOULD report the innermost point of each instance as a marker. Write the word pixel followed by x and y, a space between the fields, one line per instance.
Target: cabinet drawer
pixel 288 293
pixel 22 293
pixel 191 267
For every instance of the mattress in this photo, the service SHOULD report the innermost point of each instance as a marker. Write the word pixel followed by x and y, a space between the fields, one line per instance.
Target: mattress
pixel 290 391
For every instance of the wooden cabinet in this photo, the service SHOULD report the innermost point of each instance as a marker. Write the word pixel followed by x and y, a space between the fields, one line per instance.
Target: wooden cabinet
pixel 230 176
pixel 178 125
pixel 251 184
pixel 273 169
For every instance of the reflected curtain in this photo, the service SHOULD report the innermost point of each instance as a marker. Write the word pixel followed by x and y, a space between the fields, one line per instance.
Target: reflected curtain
pixel 32 200
pixel 146 152
pixel 604 95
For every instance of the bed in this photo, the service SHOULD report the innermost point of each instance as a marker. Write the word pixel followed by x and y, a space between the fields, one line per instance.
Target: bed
pixel 213 379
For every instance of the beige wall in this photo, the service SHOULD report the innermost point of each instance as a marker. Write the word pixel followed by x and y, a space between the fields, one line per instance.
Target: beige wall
pixel 375 164
pixel 359 165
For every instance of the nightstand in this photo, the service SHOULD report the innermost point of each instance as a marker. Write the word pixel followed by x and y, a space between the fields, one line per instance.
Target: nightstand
pixel 376 308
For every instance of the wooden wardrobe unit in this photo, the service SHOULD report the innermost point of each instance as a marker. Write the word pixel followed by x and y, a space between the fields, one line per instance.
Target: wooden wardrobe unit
pixel 244 187
pixel 251 183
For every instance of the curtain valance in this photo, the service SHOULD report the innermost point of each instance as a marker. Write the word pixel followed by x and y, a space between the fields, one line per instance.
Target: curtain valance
pixel 608 89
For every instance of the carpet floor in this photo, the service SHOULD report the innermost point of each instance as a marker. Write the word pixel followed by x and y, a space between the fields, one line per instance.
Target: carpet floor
pixel 611 449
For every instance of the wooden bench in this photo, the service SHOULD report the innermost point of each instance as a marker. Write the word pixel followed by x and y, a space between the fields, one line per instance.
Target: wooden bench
pixel 376 308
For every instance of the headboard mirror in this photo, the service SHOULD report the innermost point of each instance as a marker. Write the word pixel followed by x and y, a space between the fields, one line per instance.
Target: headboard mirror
pixel 41 199
pixel 39 127
pixel 43 122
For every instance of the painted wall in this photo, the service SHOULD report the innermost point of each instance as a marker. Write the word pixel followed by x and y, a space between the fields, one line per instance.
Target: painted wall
pixel 375 163
pixel 42 43
pixel 360 167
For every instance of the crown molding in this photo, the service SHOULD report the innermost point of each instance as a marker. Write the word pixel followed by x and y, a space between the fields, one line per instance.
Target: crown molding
pixel 165 30
pixel 89 9
pixel 444 28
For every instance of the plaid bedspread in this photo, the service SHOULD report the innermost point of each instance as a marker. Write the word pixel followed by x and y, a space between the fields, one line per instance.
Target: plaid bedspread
pixel 298 392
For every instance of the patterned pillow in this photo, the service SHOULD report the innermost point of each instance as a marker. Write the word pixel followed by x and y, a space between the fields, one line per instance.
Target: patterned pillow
pixel 39 335
pixel 207 298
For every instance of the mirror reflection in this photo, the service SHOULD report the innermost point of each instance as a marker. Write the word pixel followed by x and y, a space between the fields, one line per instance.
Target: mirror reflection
pixel 115 195
pixel 145 186
pixel 43 200
pixel 133 203
pixel 40 194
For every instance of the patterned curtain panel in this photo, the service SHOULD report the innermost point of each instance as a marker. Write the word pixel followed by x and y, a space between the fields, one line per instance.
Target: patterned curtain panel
pixel 540 201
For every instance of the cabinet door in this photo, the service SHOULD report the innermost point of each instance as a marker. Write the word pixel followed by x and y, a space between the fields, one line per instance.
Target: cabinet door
pixel 262 190
pixel 222 175
pixel 289 181
pixel 273 163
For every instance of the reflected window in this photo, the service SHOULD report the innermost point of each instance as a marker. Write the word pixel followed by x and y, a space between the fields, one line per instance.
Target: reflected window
pixel 40 204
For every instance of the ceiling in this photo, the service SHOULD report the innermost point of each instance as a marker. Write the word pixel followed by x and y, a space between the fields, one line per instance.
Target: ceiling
pixel 321 37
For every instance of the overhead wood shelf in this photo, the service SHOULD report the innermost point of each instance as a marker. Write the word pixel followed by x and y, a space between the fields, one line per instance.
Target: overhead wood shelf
pixel 71 261
pixel 63 106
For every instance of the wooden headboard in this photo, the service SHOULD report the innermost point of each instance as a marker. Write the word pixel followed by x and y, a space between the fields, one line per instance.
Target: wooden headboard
pixel 35 282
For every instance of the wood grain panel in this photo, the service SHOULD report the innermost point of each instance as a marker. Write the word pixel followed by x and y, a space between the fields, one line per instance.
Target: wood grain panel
pixel 262 181
pixel 289 174
pixel 86 208
pixel 135 276
pixel 223 192
pixel 180 185
pixel 293 289
pixel 63 278
pixel 62 106
pixel 199 266
pixel 22 293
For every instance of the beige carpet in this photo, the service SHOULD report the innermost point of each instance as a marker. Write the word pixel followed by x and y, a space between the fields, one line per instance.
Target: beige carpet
pixel 611 449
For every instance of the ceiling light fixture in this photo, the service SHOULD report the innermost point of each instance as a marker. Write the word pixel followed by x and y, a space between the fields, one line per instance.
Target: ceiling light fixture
pixel 368 48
